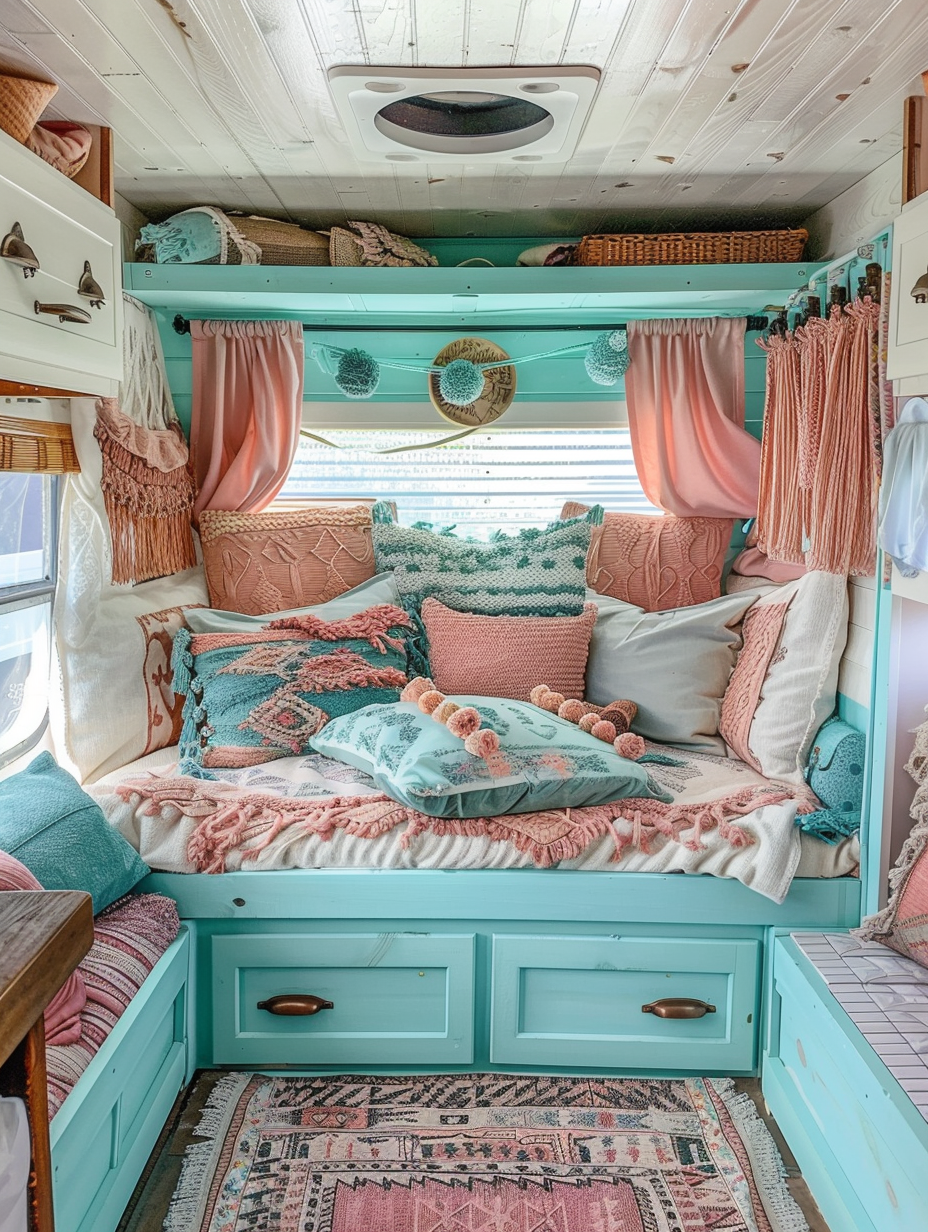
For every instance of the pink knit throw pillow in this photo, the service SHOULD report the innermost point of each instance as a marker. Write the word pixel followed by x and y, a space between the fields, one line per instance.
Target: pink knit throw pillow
pixel 506 656
pixel 656 563
pixel 761 631
pixel 63 1013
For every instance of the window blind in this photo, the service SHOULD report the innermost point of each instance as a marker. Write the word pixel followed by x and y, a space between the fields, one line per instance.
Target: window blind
pixel 34 445
pixel 487 480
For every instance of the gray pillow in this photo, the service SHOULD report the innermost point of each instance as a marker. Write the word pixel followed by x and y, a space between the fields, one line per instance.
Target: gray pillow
pixel 379 589
pixel 675 665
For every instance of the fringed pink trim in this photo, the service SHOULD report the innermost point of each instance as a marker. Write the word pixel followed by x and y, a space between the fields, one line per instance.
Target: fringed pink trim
pixel 233 818
pixel 371 626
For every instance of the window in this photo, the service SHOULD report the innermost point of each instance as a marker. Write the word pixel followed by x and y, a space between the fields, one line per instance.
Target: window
pixel 483 481
pixel 28 556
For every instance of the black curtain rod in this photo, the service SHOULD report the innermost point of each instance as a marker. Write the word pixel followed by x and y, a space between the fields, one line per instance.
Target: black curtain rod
pixel 182 326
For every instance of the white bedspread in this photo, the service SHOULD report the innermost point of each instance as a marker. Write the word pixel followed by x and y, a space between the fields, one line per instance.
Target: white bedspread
pixel 774 850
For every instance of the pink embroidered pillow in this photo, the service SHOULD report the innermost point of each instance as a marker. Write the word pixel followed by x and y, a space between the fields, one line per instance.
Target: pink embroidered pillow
pixel 785 681
pixel 258 563
pixel 506 656
pixel 63 1013
pixel 656 563
pixel 62 143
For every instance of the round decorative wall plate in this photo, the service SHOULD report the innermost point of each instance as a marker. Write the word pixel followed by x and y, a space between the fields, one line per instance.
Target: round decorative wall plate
pixel 499 383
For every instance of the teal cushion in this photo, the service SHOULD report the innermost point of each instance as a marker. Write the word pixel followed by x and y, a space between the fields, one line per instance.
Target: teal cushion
pixel 414 759
pixel 53 827
pixel 259 694
pixel 532 573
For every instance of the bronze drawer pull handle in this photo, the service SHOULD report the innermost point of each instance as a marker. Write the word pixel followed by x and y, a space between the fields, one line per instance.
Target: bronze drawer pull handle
pixel 679 1007
pixel 295 1003
pixel 65 312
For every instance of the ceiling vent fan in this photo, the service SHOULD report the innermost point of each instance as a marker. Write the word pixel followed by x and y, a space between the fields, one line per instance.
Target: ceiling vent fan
pixel 473 115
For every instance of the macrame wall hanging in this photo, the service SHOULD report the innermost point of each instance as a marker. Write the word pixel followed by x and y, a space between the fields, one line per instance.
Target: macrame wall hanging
pixel 148 488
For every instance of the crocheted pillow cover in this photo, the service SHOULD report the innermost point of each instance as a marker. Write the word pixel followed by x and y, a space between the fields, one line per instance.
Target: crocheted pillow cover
pixel 265 562
pixel 543 762
pixel 257 695
pixel 506 656
pixel 656 562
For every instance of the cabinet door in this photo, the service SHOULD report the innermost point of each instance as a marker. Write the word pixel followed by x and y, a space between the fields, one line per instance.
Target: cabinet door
pixel 577 1002
pixel 395 998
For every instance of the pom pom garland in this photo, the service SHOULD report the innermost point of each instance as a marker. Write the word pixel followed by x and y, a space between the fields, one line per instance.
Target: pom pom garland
pixel 464 723
pixel 416 687
pixel 587 722
pixel 482 743
pixel 430 701
pixel 358 374
pixel 604 730
pixel 607 359
pixel 461 382
pixel 461 721
pixel 606 723
pixel 442 713
pixel 572 710
pixel 629 745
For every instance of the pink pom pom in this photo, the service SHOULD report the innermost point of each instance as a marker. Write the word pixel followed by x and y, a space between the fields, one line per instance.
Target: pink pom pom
pixel 442 713
pixel 536 695
pixel 416 687
pixel 552 702
pixel 572 710
pixel 629 745
pixel 430 700
pixel 587 722
pixel 482 743
pixel 464 722
pixel 602 729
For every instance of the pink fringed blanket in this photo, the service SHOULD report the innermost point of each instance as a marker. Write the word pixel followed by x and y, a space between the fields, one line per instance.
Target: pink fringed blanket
pixel 307 812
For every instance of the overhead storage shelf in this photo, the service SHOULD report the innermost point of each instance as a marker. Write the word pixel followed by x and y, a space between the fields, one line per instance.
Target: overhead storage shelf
pixel 557 295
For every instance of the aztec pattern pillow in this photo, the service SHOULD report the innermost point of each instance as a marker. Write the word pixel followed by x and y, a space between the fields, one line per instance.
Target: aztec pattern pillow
pixel 255 696
pixel 784 685
pixel 656 562
pixel 506 656
pixel 266 562
pixel 59 833
pixel 675 665
pixel 63 1012
pixel 548 762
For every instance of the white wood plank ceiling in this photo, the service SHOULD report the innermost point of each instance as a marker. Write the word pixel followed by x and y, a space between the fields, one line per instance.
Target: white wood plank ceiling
pixel 708 112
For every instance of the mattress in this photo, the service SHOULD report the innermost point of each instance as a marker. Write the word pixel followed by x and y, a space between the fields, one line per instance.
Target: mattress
pixel 129 938
pixel 313 812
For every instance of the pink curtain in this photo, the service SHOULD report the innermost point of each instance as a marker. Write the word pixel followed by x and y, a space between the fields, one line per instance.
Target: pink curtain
pixel 247 403
pixel 685 392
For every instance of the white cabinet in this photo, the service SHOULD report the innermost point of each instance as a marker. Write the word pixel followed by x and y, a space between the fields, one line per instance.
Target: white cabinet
pixel 908 323
pixel 65 227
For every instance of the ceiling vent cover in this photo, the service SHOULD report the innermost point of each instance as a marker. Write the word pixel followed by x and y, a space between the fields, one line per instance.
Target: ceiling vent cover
pixel 473 115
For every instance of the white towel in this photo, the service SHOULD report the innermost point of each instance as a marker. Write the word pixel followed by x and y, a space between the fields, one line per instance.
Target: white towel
pixel 14 1165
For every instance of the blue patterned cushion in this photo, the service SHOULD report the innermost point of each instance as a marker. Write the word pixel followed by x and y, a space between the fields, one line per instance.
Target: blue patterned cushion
pixel 259 694
pixel 532 573
pixel 552 764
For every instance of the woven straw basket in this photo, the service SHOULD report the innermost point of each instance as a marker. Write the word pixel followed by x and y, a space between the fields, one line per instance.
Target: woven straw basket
pixel 283 243
pixel 22 101
pixel 693 248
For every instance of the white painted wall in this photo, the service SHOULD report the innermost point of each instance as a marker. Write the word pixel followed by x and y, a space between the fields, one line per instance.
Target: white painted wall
pixel 858 214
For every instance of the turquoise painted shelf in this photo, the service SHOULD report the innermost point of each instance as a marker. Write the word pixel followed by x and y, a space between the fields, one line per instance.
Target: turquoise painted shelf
pixel 480 297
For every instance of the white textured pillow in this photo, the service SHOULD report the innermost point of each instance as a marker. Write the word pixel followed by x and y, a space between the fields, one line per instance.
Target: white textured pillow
pixel 675 665
pixel 784 685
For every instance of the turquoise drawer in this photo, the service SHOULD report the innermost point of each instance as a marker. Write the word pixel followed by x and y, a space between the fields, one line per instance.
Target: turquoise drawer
pixel 397 999
pixel 848 1097
pixel 577 1001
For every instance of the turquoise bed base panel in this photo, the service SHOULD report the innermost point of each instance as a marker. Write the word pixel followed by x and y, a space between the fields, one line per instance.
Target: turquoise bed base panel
pixel 105 1130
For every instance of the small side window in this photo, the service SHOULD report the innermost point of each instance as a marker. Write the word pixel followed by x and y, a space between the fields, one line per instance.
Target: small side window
pixel 28 567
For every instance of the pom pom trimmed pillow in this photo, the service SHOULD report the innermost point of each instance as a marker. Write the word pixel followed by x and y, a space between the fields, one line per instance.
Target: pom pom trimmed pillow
pixel 256 696
pixel 547 762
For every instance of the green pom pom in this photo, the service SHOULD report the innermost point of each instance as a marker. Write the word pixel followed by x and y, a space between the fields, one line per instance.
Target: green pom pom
pixel 358 374
pixel 461 382
pixel 607 359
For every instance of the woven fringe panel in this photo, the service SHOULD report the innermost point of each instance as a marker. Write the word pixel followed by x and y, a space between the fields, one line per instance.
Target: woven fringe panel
pixel 149 512
pixel 33 446
pixel 779 520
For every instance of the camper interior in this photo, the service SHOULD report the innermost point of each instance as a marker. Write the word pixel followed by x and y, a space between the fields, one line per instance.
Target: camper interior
pixel 463 608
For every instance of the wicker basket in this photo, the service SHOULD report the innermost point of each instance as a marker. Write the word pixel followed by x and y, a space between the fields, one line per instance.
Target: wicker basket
pixel 693 248
pixel 283 243
pixel 22 101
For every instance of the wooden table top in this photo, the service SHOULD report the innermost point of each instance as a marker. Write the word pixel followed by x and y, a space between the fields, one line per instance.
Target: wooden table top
pixel 43 936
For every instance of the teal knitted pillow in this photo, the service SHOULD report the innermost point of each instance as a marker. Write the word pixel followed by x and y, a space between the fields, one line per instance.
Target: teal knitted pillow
pixel 548 762
pixel 532 573
pixel 259 694
pixel 60 834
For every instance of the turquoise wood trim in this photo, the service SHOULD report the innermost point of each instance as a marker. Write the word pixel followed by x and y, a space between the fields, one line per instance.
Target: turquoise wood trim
pixel 854 712
pixel 503 251
pixel 556 998
pixel 817 1161
pixel 106 1128
pixel 406 296
pixel 395 998
pixel 871 834
pixel 521 894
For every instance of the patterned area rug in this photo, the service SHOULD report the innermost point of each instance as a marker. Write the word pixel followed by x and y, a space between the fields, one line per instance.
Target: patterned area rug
pixel 481 1153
